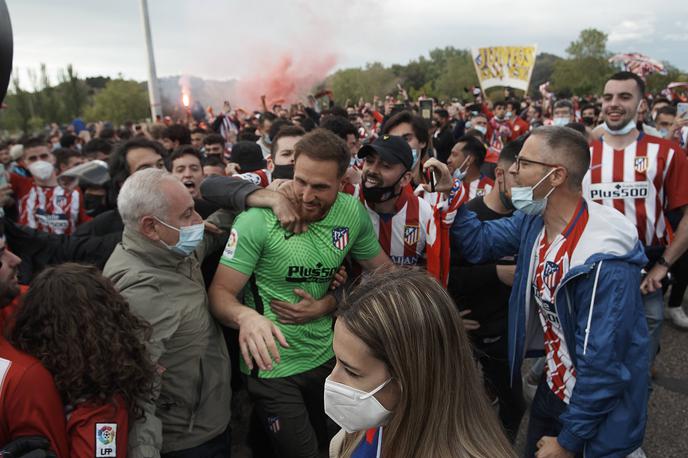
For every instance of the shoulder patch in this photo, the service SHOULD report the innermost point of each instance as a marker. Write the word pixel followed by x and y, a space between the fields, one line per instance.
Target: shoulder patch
pixel 106 440
pixel 232 242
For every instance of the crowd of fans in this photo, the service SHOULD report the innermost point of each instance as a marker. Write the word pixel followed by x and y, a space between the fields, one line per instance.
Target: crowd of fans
pixel 371 275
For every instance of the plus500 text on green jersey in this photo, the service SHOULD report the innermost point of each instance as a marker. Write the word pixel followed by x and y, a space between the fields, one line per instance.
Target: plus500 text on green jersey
pixel 282 261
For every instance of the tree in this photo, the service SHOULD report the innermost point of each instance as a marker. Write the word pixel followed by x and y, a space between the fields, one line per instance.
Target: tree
pixel 591 43
pixel 587 68
pixel 74 92
pixel 120 101
pixel 542 71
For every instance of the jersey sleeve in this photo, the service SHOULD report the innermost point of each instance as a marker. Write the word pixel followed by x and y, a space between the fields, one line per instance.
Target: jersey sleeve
pixel 36 409
pixel 98 430
pixel 366 246
pixel 676 182
pixel 246 241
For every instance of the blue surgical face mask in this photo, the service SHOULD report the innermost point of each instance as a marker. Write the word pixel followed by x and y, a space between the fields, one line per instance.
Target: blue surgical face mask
pixel 189 238
pixel 664 133
pixel 481 129
pixel 522 198
pixel 415 156
pixel 560 121
pixel 458 174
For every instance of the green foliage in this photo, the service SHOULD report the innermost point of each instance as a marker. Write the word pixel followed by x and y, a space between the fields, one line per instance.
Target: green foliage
pixel 542 72
pixel 445 74
pixel 120 100
pixel 587 68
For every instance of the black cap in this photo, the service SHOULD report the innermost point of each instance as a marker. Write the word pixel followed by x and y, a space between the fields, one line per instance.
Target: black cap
pixel 248 155
pixel 391 148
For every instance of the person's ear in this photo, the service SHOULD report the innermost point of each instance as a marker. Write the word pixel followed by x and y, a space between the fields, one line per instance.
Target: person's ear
pixel 559 176
pixel 147 227
pixel 270 165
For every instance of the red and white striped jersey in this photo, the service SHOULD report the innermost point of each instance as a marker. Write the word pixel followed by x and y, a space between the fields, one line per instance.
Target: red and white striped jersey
pixel 552 262
pixel 404 234
pixel 479 187
pixel 54 210
pixel 642 181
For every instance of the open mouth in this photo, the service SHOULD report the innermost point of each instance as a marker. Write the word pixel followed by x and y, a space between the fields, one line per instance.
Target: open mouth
pixel 190 185
pixel 615 116
pixel 371 182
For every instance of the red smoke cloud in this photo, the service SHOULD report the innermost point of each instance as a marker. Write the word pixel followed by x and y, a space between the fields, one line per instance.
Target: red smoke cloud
pixel 285 77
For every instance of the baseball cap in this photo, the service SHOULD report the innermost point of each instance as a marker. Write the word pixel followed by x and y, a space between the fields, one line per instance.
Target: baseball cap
pixel 391 149
pixel 248 155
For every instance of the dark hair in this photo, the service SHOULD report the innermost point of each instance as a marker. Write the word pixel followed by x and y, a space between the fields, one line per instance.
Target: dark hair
pixel 118 165
pixel 199 130
pixel 442 113
pixel 669 110
pixel 68 140
pixel 338 125
pixel 63 155
pixel 564 103
pixel 624 76
pixel 660 100
pixel 184 150
pixel 285 131
pixel 107 133
pixel 276 126
pixel 81 329
pixel 323 145
pixel 588 106
pixel 97 145
pixel 177 133
pixel 213 161
pixel 515 103
pixel 266 116
pixel 33 142
pixel 418 124
pixel 577 127
pixel 307 123
pixel 507 155
pixel 499 103
pixel 569 147
pixel 537 109
pixel 473 147
pixel 214 139
pixel 247 134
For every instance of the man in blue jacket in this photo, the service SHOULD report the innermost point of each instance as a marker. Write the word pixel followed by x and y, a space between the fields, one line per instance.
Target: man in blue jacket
pixel 575 298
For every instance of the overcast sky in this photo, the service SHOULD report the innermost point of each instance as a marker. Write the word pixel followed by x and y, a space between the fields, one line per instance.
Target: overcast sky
pixel 221 39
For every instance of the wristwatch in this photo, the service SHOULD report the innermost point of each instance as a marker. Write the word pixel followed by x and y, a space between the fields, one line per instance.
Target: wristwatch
pixel 663 262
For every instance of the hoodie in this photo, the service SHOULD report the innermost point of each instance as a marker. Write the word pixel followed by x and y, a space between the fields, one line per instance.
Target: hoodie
pixel 601 312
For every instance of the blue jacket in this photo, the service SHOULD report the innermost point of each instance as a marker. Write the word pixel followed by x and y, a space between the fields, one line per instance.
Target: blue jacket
pixel 601 312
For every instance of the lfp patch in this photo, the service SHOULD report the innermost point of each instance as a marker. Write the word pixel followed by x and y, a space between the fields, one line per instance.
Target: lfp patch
pixel 106 440
pixel 340 237
pixel 230 248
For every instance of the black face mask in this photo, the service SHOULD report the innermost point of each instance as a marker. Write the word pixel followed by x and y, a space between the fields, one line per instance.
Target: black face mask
pixel 283 172
pixel 94 204
pixel 378 194
pixel 588 120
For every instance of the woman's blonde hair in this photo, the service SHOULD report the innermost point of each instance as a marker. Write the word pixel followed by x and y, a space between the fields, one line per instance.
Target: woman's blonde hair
pixel 410 323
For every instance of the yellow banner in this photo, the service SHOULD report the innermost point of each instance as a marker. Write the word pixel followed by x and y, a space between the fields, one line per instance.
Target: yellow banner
pixel 510 66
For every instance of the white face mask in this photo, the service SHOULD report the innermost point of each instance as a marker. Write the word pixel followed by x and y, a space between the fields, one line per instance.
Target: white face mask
pixel 522 198
pixel 458 173
pixel 560 121
pixel 481 129
pixel 623 131
pixel 352 409
pixel 41 170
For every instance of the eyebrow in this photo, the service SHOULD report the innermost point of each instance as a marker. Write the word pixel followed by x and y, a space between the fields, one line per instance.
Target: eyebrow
pixel 349 366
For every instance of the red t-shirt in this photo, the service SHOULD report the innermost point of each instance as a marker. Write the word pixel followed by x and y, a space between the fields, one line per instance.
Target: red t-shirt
pixel 98 430
pixel 29 402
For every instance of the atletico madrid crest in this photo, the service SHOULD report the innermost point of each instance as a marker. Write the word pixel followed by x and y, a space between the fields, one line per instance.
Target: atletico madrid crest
pixel 411 235
pixel 548 274
pixel 340 237
pixel 640 164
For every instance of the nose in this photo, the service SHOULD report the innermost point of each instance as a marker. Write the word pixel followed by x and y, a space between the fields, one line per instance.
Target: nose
pixel 197 219
pixel 308 196
pixel 514 168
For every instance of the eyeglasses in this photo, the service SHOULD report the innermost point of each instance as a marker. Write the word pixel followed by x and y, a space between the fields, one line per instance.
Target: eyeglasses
pixel 520 160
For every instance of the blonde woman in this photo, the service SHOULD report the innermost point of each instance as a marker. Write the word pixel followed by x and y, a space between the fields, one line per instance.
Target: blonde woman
pixel 405 383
